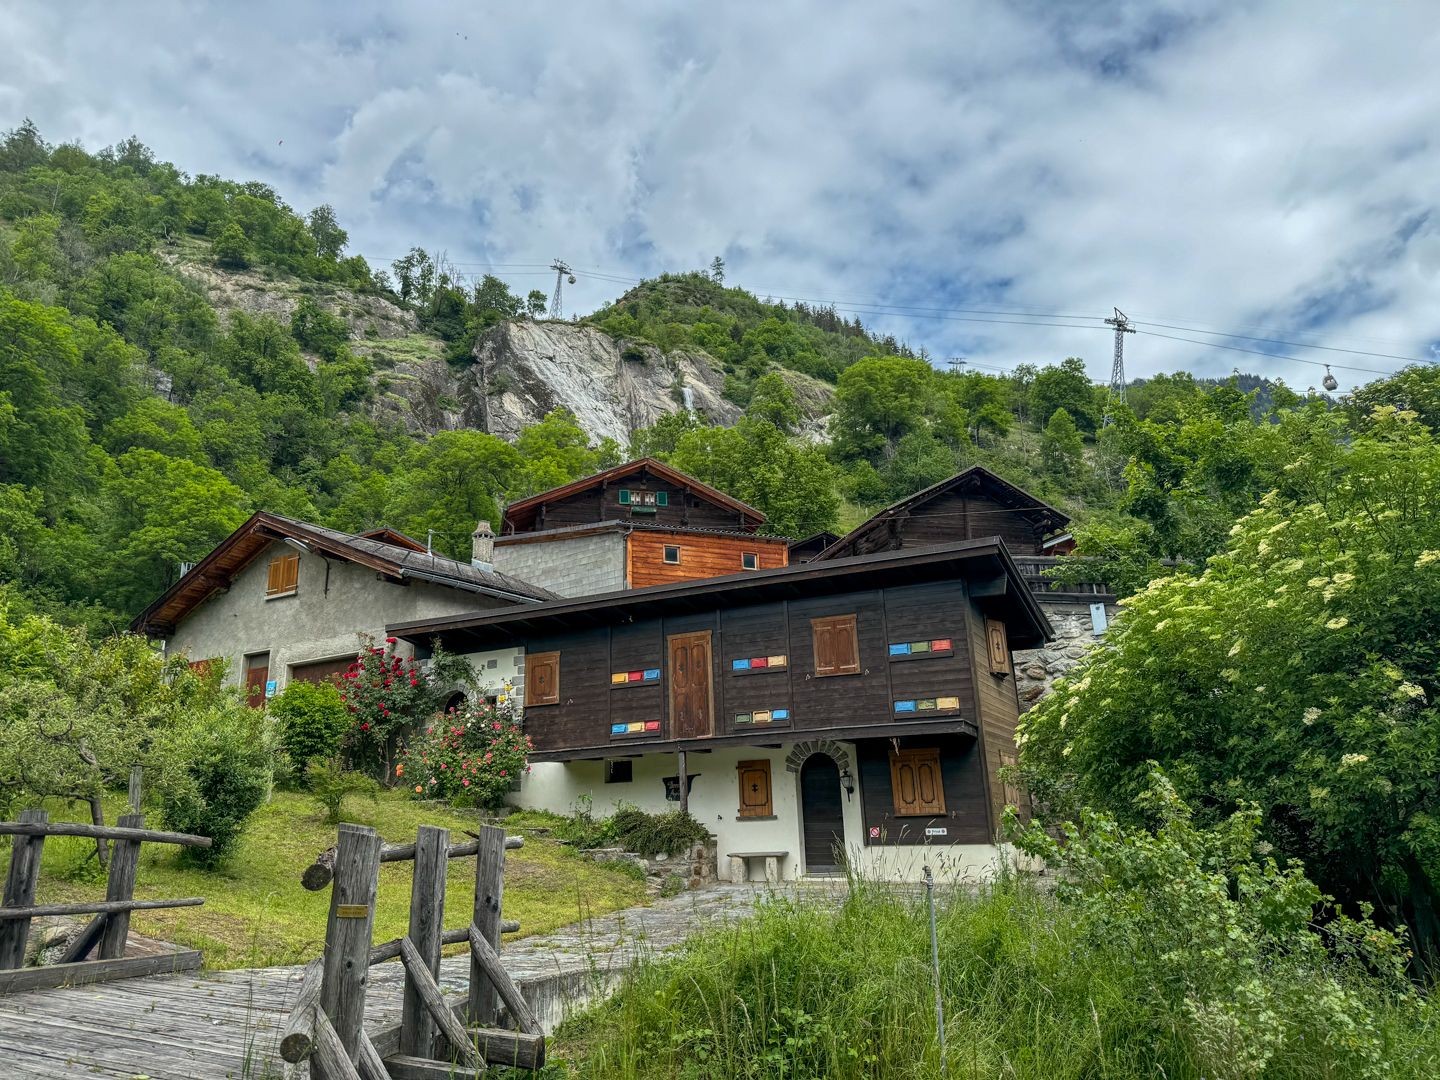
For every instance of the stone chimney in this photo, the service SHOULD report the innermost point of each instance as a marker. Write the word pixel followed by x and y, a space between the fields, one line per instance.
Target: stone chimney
pixel 482 547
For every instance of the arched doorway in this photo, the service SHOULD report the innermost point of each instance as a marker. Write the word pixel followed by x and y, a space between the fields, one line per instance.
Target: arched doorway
pixel 822 816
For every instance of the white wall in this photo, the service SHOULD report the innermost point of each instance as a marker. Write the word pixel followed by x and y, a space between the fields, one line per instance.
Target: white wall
pixel 567 566
pixel 714 800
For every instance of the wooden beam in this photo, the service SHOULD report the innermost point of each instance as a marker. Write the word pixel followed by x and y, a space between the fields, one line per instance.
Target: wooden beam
pixel 428 991
pixel 107 906
pixel 20 882
pixel 991 586
pixel 100 832
pixel 81 944
pixel 489 961
pixel 390 950
pixel 297 1039
pixel 96 971
pixel 330 1053
pixel 319 873
pixel 347 936
pixel 409 1067
pixel 120 885
pixel 427 908
pixel 371 1065
pixel 485 920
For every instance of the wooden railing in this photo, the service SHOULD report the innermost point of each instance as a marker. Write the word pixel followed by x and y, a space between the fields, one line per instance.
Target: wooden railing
pixel 110 927
pixel 1033 567
pixel 432 1039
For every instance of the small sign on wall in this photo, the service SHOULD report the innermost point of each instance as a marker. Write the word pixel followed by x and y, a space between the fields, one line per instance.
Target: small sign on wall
pixel 672 786
pixel 874 832
pixel 1098 619
pixel 270 688
pixel 937 832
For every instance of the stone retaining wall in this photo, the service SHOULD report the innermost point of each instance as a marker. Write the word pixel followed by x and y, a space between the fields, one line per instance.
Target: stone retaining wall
pixel 1037 669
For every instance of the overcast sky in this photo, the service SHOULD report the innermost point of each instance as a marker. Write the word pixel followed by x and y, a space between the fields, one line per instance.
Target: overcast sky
pixel 1269 169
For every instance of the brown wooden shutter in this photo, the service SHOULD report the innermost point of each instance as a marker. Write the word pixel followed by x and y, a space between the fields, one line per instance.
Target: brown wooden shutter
pixel 284 575
pixel 998 646
pixel 916 782
pixel 755 797
pixel 837 645
pixel 690 690
pixel 542 679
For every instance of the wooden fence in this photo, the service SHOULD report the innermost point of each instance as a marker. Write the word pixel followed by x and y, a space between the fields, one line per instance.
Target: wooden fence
pixel 432 1040
pixel 110 927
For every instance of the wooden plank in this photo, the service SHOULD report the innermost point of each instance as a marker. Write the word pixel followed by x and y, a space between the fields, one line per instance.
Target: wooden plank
pixel 390 950
pixel 347 937
pixel 100 832
pixel 330 1053
pixel 428 990
pixel 297 1039
pixel 96 906
pixel 120 885
pixel 81 944
pixel 319 873
pixel 498 1047
pixel 489 898
pixel 489 961
pixel 96 971
pixel 20 882
pixel 136 789
pixel 408 1067
pixel 427 908
pixel 371 1066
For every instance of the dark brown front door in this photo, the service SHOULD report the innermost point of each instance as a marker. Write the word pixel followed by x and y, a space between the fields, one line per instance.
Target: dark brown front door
pixel 257 674
pixel 691 704
pixel 821 813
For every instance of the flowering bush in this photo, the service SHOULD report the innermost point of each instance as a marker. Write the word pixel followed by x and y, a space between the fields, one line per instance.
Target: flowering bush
pixel 385 693
pixel 471 754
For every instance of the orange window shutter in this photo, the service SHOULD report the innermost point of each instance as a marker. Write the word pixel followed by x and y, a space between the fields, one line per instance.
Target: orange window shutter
pixel 917 783
pixel 755 797
pixel 998 645
pixel 272 583
pixel 542 679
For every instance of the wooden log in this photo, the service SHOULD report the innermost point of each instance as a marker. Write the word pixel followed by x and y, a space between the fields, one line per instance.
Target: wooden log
pixel 120 885
pixel 408 1067
pixel 488 959
pixel 390 950
pixel 489 898
pixel 297 1039
pixel 319 873
pixel 330 1053
pixel 100 832
pixel 136 791
pixel 94 906
pixel 371 1065
pixel 427 908
pixel 96 971
pixel 20 882
pixel 347 938
pixel 428 991
pixel 81 944
pixel 518 1049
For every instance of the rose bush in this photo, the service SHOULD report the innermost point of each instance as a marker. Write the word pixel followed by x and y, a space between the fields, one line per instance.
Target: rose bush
pixel 387 695
pixel 471 755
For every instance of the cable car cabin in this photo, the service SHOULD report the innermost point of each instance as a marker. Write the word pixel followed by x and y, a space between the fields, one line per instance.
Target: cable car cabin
pixel 854 709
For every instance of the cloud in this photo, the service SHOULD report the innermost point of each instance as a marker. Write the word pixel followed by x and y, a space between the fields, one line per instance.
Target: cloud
pixel 1217 166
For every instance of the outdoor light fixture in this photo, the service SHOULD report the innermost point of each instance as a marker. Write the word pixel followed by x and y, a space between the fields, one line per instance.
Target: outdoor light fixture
pixel 847 782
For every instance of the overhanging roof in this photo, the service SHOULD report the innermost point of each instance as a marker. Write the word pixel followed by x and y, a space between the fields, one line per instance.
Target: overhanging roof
pixel 975 560
pixel 591 528
pixel 520 516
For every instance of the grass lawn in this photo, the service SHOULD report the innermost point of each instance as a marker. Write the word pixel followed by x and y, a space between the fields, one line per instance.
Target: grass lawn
pixel 256 914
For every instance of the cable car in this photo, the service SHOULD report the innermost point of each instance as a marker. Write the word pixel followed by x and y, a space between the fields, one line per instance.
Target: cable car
pixel 1329 382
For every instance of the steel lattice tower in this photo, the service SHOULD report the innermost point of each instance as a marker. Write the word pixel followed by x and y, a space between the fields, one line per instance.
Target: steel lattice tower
pixel 1117 368
pixel 561 273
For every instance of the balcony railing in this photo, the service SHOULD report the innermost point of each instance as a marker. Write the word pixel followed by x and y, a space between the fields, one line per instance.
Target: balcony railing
pixel 1033 568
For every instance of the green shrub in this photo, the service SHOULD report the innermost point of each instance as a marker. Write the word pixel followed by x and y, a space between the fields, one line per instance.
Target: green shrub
pixel 310 720
pixel 330 783
pixel 655 834
pixel 220 775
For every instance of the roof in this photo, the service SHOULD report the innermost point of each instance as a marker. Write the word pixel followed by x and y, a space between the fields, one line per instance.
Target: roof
pixel 236 551
pixel 1017 497
pixel 973 559
pixel 589 528
pixel 521 514
pixel 393 536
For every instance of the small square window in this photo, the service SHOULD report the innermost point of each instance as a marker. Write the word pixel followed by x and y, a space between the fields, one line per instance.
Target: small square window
pixel 662 498
pixel 619 771
pixel 624 497
pixel 749 560
pixel 672 553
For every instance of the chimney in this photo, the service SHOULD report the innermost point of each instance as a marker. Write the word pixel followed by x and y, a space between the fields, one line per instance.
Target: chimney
pixel 482 547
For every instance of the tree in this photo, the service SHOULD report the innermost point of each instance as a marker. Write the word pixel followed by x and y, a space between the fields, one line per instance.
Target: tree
pixel 772 399
pixel 231 249
pixel 553 452
pixel 717 270
pixel 318 330
pixel 448 483
pixel 1297 671
pixel 661 438
pixel 1064 386
pixel 535 304
pixel 1061 446
pixel 330 238
pixel 877 401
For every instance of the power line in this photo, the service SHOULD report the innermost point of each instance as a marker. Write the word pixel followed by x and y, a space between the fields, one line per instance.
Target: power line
pixel 1258 352
pixel 1294 344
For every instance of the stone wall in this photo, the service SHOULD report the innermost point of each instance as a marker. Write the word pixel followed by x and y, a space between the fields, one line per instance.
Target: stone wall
pixel 1037 669
pixel 568 566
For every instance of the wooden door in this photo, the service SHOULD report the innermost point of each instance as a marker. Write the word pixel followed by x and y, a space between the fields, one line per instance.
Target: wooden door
pixel 822 814
pixel 692 704
pixel 257 674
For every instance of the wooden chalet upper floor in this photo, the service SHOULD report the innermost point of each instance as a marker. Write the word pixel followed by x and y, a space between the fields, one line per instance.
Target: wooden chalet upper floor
pixel 892 643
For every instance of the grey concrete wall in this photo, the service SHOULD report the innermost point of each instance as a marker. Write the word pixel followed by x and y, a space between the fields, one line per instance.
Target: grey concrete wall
pixel 572 566
pixel 312 624
pixel 1037 669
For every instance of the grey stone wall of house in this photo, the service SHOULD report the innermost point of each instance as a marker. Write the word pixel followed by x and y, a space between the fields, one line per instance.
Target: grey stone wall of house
pixel 323 620
pixel 570 566
pixel 1037 669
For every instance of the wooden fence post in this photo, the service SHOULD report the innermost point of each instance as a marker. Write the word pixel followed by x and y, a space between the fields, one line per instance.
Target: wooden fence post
pixel 427 910
pixel 137 775
pixel 124 859
pixel 489 890
pixel 347 936
pixel 20 890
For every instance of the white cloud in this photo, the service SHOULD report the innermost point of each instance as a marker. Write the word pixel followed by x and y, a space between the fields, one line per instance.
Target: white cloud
pixel 1219 166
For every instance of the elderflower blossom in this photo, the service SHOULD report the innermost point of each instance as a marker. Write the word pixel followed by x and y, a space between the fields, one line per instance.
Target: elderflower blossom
pixel 1409 691
pixel 1291 566
pixel 1235 649
pixel 1426 558
pixel 1348 760
pixel 1337 623
pixel 1277 527
pixel 1316 582
pixel 1310 715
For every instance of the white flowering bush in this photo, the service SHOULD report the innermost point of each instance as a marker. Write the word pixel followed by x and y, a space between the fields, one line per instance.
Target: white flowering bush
pixel 1297 672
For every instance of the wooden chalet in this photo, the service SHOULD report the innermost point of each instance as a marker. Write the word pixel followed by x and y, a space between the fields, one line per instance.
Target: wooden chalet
pixel 631 527
pixel 863 705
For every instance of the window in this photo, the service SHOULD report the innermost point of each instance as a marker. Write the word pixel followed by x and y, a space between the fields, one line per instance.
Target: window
pixel 998 646
pixel 916 783
pixel 755 800
pixel 837 646
pixel 1008 790
pixel 542 679
pixel 644 500
pixel 202 668
pixel 619 770
pixel 284 576
pixel 749 560
pixel 672 553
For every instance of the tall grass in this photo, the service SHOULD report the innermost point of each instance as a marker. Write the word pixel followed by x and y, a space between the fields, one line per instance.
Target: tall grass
pixel 804 990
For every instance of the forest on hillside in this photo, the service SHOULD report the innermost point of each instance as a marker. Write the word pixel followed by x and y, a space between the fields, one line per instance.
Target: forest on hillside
pixel 139 425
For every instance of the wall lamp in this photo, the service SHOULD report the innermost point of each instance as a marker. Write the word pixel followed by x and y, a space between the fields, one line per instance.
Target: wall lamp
pixel 848 783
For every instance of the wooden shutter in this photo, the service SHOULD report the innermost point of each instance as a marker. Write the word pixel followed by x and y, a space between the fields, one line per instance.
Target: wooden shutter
pixel 998 646
pixel 691 700
pixel 202 667
pixel 837 645
pixel 755 798
pixel 916 783
pixel 284 575
pixel 542 679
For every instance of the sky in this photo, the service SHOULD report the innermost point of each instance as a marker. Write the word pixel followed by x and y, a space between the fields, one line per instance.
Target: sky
pixel 1269 169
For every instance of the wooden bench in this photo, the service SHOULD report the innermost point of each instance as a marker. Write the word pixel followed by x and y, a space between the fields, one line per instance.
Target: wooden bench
pixel 740 864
